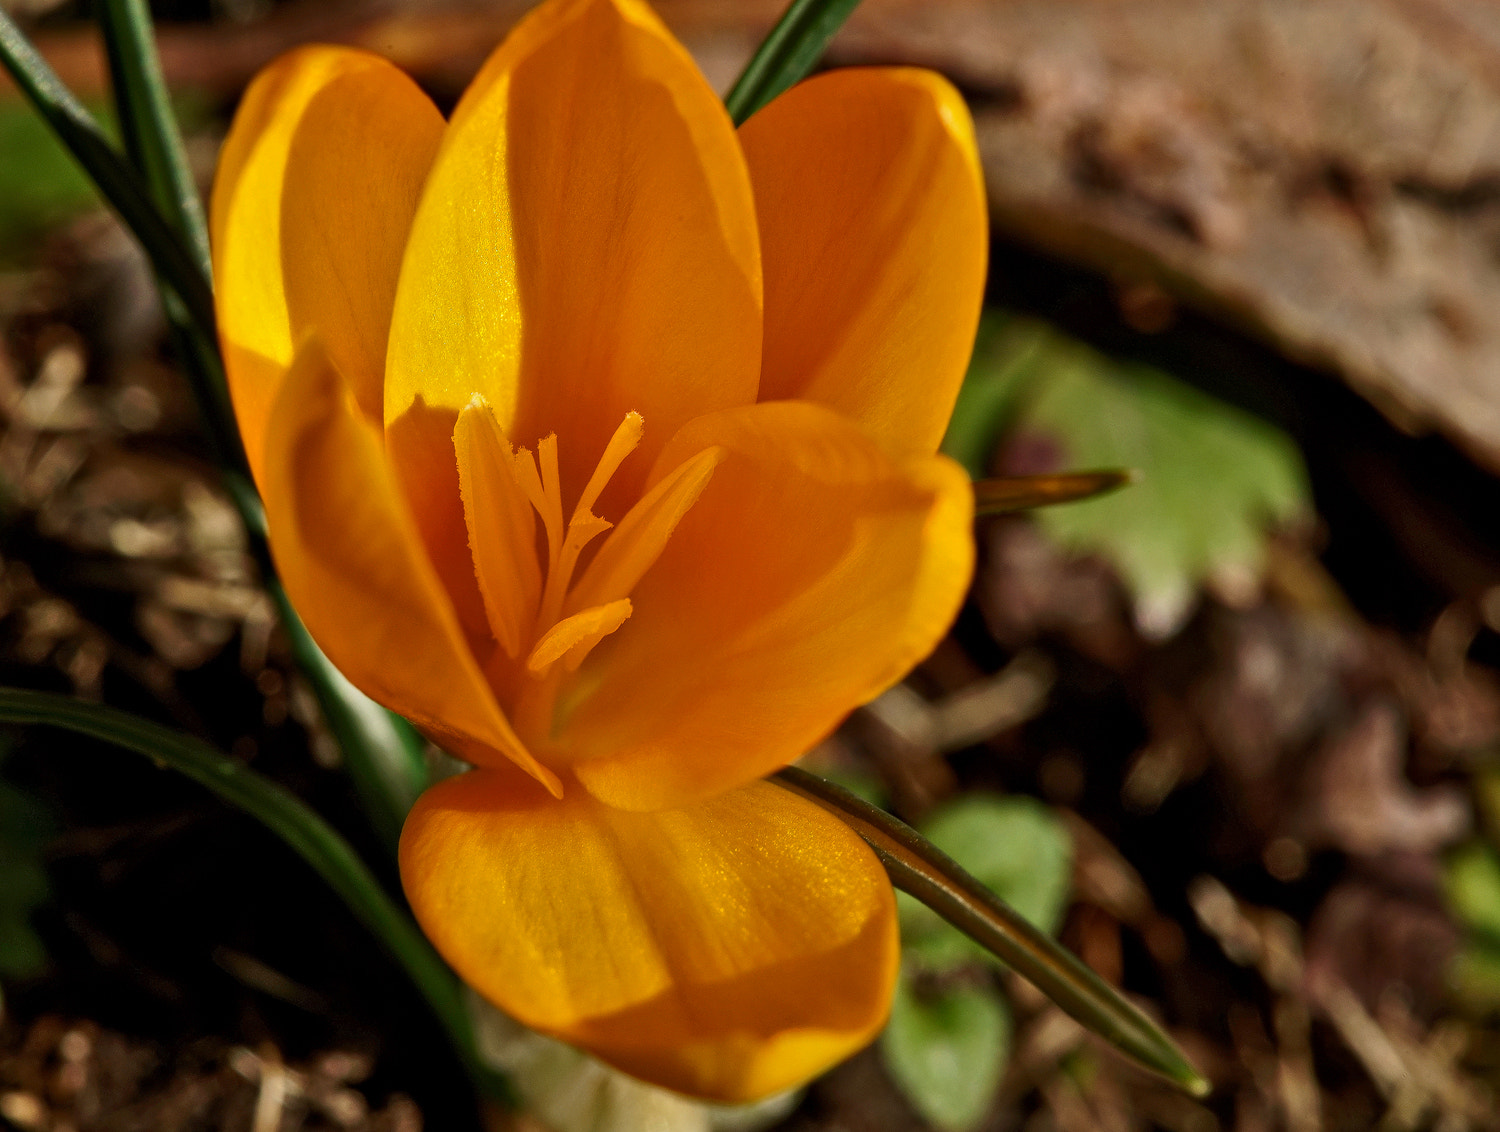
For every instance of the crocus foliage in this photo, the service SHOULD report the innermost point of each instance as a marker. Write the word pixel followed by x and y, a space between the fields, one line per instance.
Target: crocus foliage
pixel 597 439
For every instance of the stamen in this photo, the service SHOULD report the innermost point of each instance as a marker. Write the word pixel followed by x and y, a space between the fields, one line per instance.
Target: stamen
pixel 544 491
pixel 643 533
pixel 584 525
pixel 573 638
pixel 620 445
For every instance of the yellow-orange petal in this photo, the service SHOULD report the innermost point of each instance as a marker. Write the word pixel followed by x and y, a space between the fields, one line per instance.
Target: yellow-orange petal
pixel 728 950
pixel 809 576
pixel 314 195
pixel 352 563
pixel 874 241
pixel 585 248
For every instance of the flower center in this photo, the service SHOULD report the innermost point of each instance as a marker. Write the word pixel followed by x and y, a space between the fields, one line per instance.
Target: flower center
pixel 544 622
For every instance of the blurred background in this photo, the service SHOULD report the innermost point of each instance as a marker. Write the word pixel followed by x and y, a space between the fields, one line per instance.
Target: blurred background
pixel 1232 732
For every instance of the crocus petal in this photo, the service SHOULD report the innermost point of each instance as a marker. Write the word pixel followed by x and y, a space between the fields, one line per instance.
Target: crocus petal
pixel 316 187
pixel 810 575
pixel 352 563
pixel 874 238
pixel 727 950
pixel 585 248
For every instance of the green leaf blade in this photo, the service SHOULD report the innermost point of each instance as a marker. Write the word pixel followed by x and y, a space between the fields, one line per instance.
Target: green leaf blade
pixel 290 819
pixel 147 123
pixel 918 867
pixel 788 54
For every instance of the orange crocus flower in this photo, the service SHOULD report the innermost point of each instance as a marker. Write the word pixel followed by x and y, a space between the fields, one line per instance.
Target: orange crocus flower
pixel 598 439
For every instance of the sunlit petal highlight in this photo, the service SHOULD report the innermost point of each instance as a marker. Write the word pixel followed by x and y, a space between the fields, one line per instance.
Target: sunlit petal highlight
pixel 728 950
pixel 312 202
pixel 586 247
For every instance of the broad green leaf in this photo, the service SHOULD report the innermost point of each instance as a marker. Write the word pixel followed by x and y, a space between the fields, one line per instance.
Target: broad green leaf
pixel 1213 479
pixel 947 1051
pixel 1472 880
pixel 1016 847
pixel 1007 354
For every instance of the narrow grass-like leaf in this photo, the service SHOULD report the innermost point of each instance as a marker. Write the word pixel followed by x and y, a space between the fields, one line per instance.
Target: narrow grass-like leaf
pixel 788 54
pixel 120 185
pixel 922 870
pixel 295 823
pixel 158 201
pixel 147 124
pixel 384 756
pixel 1021 493
pixel 154 147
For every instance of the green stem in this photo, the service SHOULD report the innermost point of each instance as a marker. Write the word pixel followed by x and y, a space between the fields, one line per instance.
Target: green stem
pixel 147 124
pixel 297 825
pixel 918 867
pixel 382 752
pixel 119 184
pixel 788 54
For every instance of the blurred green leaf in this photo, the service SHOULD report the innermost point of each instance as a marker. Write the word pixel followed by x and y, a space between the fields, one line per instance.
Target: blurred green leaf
pixel 40 183
pixel 24 827
pixel 1472 880
pixel 297 825
pixel 947 1051
pixel 1017 848
pixel 1474 978
pixel 1213 478
pixel 1007 352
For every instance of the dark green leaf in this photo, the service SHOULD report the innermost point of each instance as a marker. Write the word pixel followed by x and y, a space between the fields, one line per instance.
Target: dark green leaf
pixel 290 819
pixel 1016 847
pixel 24 826
pixel 918 867
pixel 788 54
pixel 147 123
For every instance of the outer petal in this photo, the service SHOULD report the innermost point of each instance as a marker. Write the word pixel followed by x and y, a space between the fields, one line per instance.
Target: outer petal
pixel 729 950
pixel 314 196
pixel 351 560
pixel 585 247
pixel 811 574
pixel 874 237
